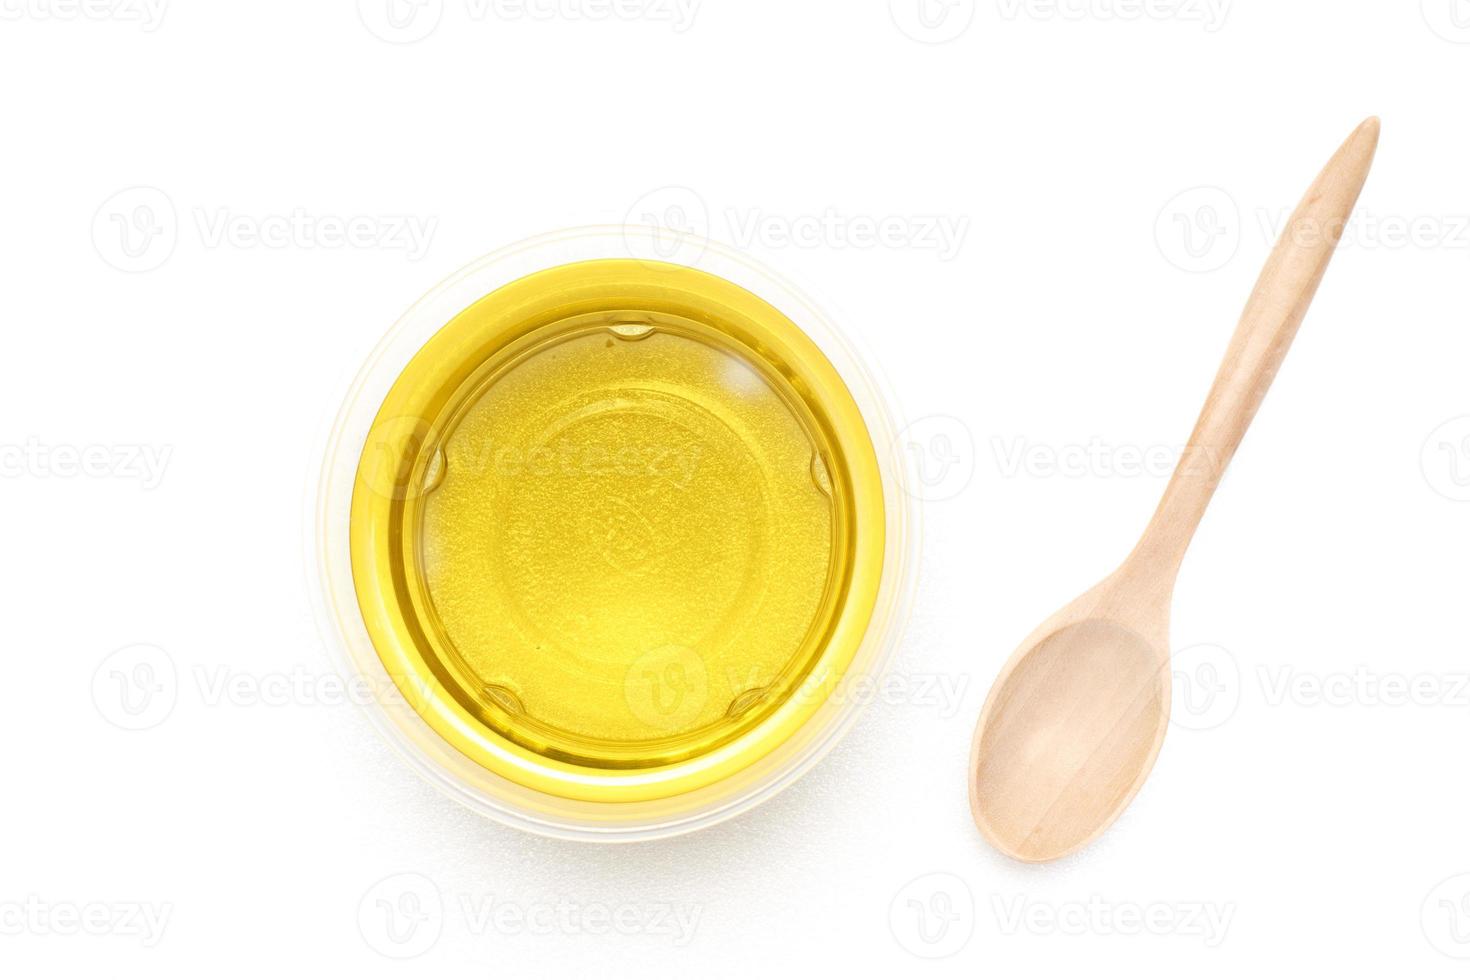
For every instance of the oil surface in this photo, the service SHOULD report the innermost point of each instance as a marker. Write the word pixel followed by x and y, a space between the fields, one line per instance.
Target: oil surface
pixel 631 542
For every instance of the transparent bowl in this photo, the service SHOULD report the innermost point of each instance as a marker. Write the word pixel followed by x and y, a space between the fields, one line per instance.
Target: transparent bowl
pixel 611 528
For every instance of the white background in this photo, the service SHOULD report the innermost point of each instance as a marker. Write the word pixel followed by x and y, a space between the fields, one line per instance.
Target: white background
pixel 1310 817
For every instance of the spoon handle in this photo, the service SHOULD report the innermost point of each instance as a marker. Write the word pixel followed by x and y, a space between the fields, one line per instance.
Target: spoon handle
pixel 1275 310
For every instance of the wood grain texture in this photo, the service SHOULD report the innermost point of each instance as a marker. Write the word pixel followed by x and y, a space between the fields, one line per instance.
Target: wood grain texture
pixel 1075 720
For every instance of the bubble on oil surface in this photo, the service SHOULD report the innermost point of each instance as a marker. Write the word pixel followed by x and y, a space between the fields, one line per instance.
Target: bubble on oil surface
pixel 504 697
pixel 821 476
pixel 434 471
pixel 746 700
pixel 631 331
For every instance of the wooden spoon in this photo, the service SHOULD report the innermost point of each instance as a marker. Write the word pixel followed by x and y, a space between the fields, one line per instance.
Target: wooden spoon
pixel 1075 720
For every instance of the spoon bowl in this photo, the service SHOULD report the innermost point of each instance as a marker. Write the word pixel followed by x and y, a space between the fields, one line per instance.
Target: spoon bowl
pixel 1072 727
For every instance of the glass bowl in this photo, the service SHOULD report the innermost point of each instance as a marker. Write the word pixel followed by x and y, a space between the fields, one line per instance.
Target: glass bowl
pixel 610 528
